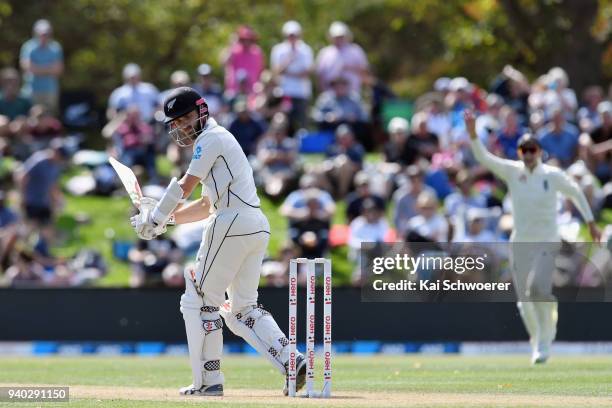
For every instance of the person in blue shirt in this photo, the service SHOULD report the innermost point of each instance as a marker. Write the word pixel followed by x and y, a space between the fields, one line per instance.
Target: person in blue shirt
pixel 509 134
pixel 559 139
pixel 42 61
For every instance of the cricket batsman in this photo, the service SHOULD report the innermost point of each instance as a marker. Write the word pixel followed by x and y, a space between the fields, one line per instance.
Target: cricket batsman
pixel 234 242
pixel 534 189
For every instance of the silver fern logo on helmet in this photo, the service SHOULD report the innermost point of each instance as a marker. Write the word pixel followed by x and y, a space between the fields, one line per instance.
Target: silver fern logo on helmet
pixel 171 104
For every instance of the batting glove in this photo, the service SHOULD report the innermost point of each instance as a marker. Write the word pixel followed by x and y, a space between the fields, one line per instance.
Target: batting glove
pixel 144 225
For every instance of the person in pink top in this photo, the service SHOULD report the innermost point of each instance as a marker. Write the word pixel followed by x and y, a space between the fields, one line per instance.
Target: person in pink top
pixel 341 57
pixel 244 61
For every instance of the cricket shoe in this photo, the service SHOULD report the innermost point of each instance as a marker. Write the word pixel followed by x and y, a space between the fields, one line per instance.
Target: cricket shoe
pixel 300 378
pixel 540 355
pixel 204 391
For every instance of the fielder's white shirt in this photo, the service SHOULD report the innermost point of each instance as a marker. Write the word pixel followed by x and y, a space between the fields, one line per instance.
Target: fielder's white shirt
pixel 225 173
pixel 534 195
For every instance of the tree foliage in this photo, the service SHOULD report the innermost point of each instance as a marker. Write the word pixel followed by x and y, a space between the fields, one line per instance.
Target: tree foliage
pixel 409 43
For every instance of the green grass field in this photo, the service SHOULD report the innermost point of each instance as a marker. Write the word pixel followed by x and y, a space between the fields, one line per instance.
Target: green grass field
pixel 376 381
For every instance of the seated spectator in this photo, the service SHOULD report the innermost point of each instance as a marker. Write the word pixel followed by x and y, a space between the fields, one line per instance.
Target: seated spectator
pixel 559 139
pixel 559 94
pixel 370 226
pixel 246 128
pixel 12 103
pixel 421 143
pixel 24 272
pixel 294 207
pixel 42 126
pixel 509 134
pixel 38 181
pixel 588 117
pixel 210 90
pixel 355 200
pixel 340 105
pixel 311 233
pixel 341 57
pixel 151 260
pixel 277 155
pixel 134 92
pixel 268 98
pixel 488 123
pixel 476 228
pixel 344 159
pixel 276 270
pixel 244 62
pixel 428 225
pixel 292 61
pixel 464 197
pixel 405 199
pixel 393 150
pixel 134 140
pixel 438 122
pixel 602 146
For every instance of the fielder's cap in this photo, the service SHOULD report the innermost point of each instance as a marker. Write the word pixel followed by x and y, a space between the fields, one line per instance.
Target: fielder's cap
pixel 181 101
pixel 131 70
pixel 528 140
pixel 398 124
pixel 204 69
pixel 338 29
pixel 292 27
pixel 442 84
pixel 42 26
pixel 604 107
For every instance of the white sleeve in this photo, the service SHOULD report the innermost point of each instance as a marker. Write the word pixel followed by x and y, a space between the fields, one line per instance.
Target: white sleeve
pixel 501 167
pixel 570 189
pixel 205 153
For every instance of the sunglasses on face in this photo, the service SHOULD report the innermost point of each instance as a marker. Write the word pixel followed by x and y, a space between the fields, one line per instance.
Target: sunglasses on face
pixel 529 149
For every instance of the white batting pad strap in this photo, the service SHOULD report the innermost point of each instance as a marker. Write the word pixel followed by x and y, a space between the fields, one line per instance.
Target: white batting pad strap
pixel 169 201
pixel 258 328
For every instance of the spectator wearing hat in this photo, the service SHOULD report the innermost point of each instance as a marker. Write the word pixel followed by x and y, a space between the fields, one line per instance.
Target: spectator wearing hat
pixel 344 159
pixel 405 198
pixel 476 230
pixel 292 60
pixel 310 231
pixel 244 62
pixel 38 181
pixel 559 138
pixel 294 206
pixel 246 128
pixel 464 197
pixel 134 92
pixel 341 57
pixel 398 129
pixel 277 155
pixel 428 225
pixel 355 199
pixel 421 144
pixel 341 105
pixel 42 61
pixel 210 90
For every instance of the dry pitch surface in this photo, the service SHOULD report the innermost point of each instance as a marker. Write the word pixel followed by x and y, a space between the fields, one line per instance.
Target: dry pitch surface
pixel 376 381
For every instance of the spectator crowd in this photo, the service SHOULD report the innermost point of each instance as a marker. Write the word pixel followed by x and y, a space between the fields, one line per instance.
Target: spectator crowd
pixel 411 177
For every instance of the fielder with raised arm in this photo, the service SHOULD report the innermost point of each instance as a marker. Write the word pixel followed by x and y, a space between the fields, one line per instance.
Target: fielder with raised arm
pixel 233 245
pixel 534 189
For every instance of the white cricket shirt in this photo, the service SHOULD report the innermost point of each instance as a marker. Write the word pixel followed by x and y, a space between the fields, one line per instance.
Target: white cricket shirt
pixel 534 195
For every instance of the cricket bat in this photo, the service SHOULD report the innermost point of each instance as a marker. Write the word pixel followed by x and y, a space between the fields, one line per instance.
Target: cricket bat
pixel 130 182
pixel 128 179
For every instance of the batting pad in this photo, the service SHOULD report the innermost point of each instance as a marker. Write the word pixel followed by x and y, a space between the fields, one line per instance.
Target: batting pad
pixel 258 328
